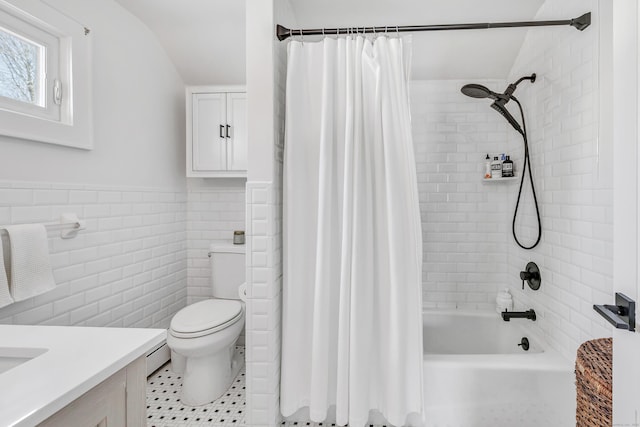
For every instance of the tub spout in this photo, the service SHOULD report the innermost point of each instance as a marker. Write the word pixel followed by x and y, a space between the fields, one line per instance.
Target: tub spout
pixel 508 315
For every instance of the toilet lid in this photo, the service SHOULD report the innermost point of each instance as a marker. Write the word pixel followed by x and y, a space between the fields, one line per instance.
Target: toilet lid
pixel 206 315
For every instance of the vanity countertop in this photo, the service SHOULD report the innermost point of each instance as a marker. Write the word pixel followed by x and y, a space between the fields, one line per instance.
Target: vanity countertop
pixel 76 360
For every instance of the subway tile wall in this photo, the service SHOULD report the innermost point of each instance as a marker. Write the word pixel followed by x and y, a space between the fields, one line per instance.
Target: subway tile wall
pixel 127 269
pixel 264 299
pixel 264 223
pixel 214 211
pixel 573 177
pixel 465 222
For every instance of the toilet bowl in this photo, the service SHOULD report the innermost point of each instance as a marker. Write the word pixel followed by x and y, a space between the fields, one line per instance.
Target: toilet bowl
pixel 202 336
pixel 202 340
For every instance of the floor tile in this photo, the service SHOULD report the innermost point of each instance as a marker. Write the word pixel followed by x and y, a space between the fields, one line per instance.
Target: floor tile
pixel 164 408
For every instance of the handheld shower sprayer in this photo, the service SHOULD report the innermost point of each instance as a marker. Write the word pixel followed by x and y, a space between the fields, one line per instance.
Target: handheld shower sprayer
pixel 500 108
pixel 499 101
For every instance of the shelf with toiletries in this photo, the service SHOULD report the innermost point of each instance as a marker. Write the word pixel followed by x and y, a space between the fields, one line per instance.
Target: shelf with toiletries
pixel 499 169
pixel 500 179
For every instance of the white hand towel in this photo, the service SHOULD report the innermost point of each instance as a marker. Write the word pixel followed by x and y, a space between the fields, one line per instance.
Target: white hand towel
pixel 5 295
pixel 30 273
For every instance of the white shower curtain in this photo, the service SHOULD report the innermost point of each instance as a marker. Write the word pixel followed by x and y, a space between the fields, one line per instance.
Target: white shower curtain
pixel 352 326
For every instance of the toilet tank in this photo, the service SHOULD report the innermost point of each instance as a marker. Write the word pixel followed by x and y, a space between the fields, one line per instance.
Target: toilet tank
pixel 227 269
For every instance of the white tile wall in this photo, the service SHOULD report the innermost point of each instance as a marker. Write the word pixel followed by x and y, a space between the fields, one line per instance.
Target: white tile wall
pixel 468 248
pixel 264 223
pixel 573 183
pixel 264 273
pixel 464 220
pixel 127 269
pixel 214 211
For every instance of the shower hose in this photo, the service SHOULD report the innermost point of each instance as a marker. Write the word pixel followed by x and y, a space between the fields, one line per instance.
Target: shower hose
pixel 527 164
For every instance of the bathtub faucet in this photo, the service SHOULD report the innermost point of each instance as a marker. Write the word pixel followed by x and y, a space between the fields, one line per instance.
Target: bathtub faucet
pixel 508 315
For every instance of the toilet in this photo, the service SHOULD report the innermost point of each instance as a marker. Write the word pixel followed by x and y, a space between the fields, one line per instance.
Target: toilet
pixel 202 336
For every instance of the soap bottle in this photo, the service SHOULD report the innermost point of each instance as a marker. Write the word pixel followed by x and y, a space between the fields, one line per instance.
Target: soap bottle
pixel 507 168
pixel 496 168
pixel 487 168
pixel 504 301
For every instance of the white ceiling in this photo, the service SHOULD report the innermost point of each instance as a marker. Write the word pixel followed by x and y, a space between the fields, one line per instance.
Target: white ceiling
pixel 206 38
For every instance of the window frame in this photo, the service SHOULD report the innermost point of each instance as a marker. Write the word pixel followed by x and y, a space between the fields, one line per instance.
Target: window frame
pixel 70 122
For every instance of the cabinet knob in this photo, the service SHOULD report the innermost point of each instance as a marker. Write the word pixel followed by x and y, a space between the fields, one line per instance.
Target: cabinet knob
pixel 228 134
pixel 221 131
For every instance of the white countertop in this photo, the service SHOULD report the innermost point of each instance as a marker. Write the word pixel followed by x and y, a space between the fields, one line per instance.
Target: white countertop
pixel 77 359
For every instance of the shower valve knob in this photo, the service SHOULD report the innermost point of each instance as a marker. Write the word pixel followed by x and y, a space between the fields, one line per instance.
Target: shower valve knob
pixel 531 275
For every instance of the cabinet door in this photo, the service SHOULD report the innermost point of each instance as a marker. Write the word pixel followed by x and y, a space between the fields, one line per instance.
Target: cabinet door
pixel 237 141
pixel 102 406
pixel 209 132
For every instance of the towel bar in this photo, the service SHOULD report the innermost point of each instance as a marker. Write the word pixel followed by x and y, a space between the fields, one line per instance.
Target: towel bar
pixel 68 226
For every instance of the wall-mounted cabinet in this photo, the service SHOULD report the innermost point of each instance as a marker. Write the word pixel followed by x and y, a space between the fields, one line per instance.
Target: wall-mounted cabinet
pixel 216 132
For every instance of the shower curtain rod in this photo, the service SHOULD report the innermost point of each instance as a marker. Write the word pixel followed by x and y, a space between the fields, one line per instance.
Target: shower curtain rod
pixel 284 33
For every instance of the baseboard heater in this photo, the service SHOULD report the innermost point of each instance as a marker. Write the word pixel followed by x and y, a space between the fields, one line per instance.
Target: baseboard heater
pixel 157 357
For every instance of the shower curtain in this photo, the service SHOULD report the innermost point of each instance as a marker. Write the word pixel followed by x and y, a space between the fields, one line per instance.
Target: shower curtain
pixel 352 325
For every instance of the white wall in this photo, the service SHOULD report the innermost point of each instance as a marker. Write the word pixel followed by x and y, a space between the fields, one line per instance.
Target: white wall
pixel 465 221
pixel 573 176
pixel 129 267
pixel 138 98
pixel 266 59
pixel 215 209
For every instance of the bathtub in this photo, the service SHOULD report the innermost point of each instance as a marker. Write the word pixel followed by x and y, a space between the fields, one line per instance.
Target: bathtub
pixel 476 375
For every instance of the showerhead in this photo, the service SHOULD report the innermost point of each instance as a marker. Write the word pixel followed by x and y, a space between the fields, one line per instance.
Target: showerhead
pixel 500 99
pixel 478 91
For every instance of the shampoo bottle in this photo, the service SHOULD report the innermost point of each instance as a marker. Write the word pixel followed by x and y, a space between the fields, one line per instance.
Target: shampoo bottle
pixel 487 168
pixel 496 168
pixel 507 168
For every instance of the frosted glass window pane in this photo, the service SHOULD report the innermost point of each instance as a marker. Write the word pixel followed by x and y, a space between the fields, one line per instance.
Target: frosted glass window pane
pixel 20 65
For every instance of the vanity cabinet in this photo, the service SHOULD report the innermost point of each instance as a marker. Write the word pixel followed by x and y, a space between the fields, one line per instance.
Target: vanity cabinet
pixel 216 131
pixel 118 401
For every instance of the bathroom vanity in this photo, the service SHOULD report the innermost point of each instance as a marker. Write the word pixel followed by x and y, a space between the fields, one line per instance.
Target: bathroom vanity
pixel 62 376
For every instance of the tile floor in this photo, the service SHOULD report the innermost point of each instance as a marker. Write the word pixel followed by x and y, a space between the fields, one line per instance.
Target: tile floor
pixel 165 410
pixel 312 424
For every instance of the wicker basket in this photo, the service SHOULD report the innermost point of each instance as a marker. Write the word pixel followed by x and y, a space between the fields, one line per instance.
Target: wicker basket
pixel 593 383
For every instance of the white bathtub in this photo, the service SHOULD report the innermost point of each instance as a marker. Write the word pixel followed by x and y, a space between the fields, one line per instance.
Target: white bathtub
pixel 476 375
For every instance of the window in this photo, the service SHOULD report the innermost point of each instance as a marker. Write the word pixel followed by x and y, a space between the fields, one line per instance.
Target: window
pixel 21 69
pixel 44 75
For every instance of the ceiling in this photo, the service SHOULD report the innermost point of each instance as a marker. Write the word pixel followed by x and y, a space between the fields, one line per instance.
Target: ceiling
pixel 206 38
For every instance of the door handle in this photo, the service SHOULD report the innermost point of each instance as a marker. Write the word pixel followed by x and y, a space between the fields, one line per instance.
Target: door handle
pixel 221 131
pixel 228 129
pixel 622 315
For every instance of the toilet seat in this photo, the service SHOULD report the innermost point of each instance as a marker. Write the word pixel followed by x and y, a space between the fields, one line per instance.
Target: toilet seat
pixel 205 317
